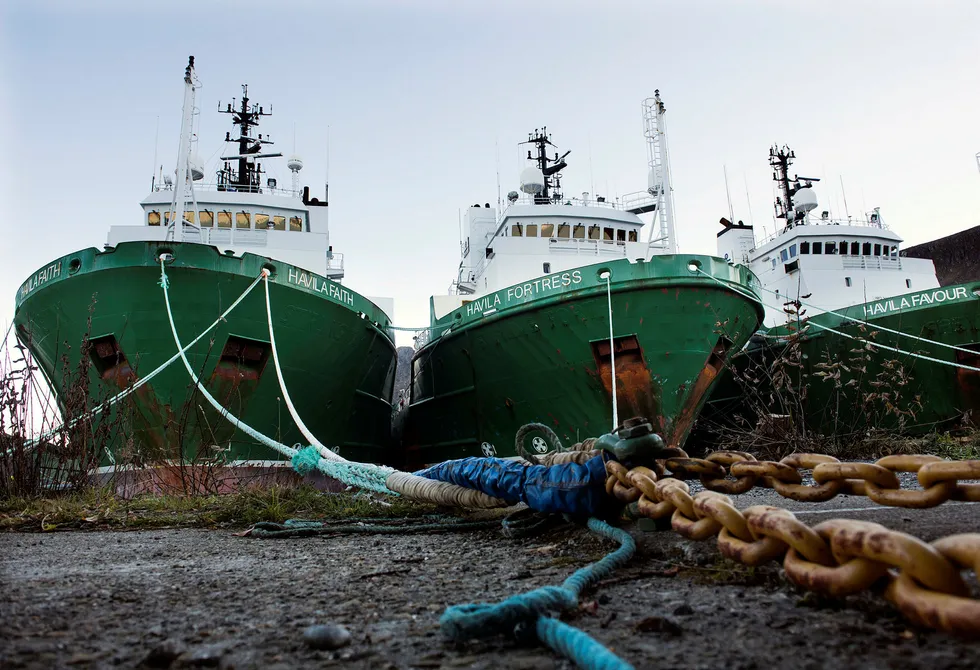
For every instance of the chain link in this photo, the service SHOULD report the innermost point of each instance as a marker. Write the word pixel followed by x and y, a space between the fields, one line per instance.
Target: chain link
pixel 734 472
pixel 838 557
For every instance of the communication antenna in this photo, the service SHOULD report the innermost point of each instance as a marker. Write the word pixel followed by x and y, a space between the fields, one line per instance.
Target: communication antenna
pixel 846 213
pixel 731 212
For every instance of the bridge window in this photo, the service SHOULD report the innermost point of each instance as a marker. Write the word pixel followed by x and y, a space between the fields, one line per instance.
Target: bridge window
pixel 261 221
pixel 894 251
pixel 607 234
pixel 830 247
pixel 842 248
pixel 784 255
pixel 516 230
pixel 632 236
pixel 855 248
pixel 531 230
pixel 279 223
pixel 296 224
pixel 620 235
pixel 547 230
pixel 207 218
pixel 224 219
pixel 847 281
pixel 792 251
pixel 805 247
pixel 167 219
pixel 153 218
pixel 579 232
pixel 817 248
pixel 593 232
pixel 563 230
pixel 877 250
pixel 243 220
pixel 189 217
pixel 866 249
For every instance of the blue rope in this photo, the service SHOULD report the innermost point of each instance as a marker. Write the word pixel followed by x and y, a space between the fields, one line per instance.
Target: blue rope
pixel 536 609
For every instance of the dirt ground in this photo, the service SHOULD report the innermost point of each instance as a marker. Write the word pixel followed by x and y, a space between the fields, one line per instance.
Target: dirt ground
pixel 207 598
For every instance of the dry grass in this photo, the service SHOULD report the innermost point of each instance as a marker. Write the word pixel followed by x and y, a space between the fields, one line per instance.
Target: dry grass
pixel 99 509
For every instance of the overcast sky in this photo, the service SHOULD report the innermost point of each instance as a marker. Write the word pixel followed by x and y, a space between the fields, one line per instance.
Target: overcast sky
pixel 421 97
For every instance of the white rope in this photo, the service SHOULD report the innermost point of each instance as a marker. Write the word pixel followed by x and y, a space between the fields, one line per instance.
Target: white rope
pixel 238 423
pixel 612 354
pixel 870 342
pixel 145 380
pixel 877 326
pixel 324 452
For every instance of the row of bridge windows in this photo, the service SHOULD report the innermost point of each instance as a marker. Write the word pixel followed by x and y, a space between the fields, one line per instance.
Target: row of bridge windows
pixel 577 232
pixel 225 219
pixel 842 248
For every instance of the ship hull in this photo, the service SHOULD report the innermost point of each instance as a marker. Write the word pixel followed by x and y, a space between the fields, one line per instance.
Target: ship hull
pixel 337 359
pixel 874 388
pixel 508 362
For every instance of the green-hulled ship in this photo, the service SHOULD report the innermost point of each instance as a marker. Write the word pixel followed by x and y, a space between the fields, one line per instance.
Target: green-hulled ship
pixel 562 316
pixel 335 346
pixel 871 338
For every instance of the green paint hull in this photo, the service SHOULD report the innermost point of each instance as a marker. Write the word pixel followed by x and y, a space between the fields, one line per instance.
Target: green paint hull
pixel 546 358
pixel 947 394
pixel 335 348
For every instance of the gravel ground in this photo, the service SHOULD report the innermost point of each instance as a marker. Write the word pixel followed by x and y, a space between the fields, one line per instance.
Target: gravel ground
pixel 198 598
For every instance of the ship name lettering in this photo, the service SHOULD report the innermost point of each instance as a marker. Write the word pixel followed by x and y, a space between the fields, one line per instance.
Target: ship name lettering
pixel 942 295
pixel 550 283
pixel 318 285
pixel 41 277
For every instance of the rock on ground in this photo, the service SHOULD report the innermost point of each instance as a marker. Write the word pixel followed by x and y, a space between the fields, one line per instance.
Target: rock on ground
pixel 199 598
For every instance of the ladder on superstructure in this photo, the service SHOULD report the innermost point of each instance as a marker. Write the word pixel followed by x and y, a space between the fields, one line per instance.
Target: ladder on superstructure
pixel 662 239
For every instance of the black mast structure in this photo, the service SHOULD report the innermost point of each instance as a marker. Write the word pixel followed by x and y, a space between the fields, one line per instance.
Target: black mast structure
pixel 780 160
pixel 552 180
pixel 248 176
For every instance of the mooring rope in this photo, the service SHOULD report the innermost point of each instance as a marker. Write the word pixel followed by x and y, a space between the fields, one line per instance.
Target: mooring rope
pixel 106 404
pixel 536 610
pixel 862 340
pixel 324 451
pixel 875 326
pixel 378 478
pixel 612 353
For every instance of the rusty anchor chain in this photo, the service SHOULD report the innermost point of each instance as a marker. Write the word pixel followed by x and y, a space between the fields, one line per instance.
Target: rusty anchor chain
pixel 839 556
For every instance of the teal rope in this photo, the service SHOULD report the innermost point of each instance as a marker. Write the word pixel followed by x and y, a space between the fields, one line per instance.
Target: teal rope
pixel 479 620
pixel 300 528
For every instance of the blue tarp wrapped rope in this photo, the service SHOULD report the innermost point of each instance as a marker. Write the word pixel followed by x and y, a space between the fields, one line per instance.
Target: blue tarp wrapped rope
pixel 535 610
pixel 569 488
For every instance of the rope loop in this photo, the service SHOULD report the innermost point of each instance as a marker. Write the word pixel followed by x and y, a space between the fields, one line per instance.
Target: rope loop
pixel 478 620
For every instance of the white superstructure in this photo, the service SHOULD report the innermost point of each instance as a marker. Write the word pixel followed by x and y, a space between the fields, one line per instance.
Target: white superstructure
pixel 236 213
pixel 542 233
pixel 827 263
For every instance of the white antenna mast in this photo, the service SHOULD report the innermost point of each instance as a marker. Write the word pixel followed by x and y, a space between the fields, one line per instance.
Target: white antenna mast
pixel 748 200
pixel 662 235
pixel 156 147
pixel 731 212
pixel 184 153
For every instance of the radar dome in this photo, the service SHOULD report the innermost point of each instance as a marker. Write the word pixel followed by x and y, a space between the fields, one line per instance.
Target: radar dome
pixel 805 200
pixel 532 181
pixel 196 167
pixel 295 163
